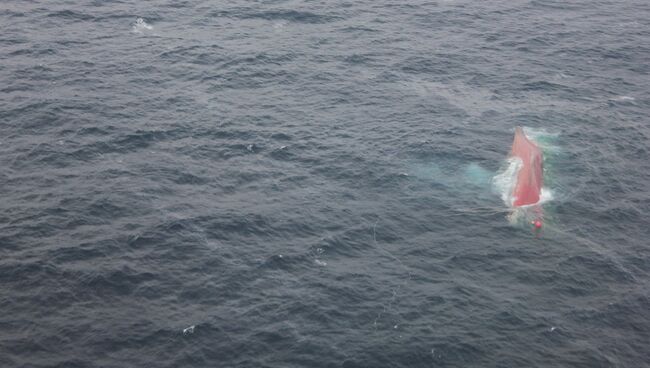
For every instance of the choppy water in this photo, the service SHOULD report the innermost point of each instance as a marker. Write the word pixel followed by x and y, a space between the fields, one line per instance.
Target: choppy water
pixel 309 184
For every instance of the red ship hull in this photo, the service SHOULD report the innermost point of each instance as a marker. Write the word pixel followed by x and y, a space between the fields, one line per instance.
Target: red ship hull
pixel 530 179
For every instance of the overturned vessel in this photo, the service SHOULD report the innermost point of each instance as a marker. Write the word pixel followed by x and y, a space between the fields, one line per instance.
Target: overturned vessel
pixel 528 187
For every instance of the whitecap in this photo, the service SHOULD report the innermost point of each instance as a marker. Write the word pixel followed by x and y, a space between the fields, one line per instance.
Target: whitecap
pixel 189 330
pixel 623 99
pixel 140 26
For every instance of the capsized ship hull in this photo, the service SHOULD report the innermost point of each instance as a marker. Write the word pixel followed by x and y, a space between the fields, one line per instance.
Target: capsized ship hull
pixel 528 188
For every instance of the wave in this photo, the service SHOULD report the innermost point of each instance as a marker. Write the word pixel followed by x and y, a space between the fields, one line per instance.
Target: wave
pixel 141 26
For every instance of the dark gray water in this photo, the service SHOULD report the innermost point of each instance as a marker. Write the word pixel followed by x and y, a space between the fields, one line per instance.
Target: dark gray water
pixel 309 184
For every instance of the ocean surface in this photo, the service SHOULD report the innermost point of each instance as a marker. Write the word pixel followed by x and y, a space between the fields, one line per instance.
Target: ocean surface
pixel 321 183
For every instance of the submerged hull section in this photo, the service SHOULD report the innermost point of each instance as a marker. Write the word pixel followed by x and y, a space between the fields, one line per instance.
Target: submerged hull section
pixel 529 184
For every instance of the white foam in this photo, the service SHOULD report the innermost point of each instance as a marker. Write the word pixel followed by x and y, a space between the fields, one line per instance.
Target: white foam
pixel 545 196
pixel 140 26
pixel 189 330
pixel 504 182
pixel 623 99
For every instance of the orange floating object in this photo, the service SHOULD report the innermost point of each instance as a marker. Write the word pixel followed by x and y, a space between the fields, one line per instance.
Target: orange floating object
pixel 530 176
